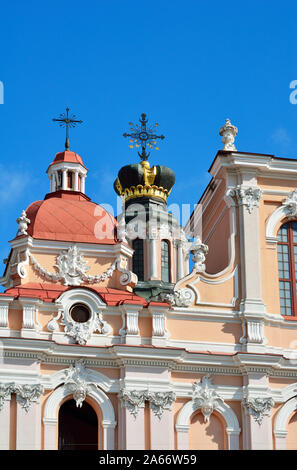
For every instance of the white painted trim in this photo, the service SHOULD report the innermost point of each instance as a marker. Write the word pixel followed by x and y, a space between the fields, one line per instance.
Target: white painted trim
pixel 87 249
pixel 232 426
pixel 280 426
pixel 50 417
pixel 275 217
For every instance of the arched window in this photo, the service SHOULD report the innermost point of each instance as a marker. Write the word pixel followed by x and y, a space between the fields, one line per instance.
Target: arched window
pixel 137 262
pixel 78 427
pixel 165 261
pixel 287 267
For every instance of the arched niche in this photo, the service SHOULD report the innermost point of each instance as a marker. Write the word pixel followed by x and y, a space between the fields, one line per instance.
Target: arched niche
pixel 232 428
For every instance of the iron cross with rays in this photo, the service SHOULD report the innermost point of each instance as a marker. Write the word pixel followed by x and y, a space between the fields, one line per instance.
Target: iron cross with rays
pixel 143 136
pixel 67 121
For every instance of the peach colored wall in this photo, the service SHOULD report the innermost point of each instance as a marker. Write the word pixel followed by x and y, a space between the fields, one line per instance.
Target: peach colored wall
pixel 280 337
pixel 191 377
pixel 269 266
pixel 218 257
pixel 273 183
pixel 145 326
pixel 112 373
pixel 15 319
pixel 13 421
pixel 207 436
pixel 97 266
pixel 195 330
pixel 147 426
pixel 280 382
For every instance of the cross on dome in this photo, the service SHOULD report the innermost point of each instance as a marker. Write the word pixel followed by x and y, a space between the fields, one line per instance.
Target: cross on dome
pixel 67 121
pixel 143 136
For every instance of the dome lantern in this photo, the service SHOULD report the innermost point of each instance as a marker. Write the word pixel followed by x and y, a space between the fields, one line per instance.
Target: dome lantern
pixel 67 171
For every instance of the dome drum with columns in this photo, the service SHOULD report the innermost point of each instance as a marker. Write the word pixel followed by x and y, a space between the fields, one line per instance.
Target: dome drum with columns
pixel 67 172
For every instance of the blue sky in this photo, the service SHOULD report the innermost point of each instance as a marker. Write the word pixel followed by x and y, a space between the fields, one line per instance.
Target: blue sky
pixel 189 65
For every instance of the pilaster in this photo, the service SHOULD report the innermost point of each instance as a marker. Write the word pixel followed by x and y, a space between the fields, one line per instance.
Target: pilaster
pixel 28 430
pixel 248 195
pixel 256 405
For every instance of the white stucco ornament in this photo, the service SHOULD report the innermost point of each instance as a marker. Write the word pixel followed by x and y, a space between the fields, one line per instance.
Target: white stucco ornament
pixel 290 204
pixel 72 269
pixel 78 382
pixel 205 397
pixel 23 223
pixel 160 401
pixel 135 399
pixel 228 133
pixel 27 394
pixel 71 266
pixel 199 251
pixel 180 297
pixel 248 196
pixel 5 391
pixel 258 407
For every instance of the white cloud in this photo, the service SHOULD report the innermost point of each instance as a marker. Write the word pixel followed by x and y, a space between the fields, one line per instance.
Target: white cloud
pixel 13 184
pixel 281 137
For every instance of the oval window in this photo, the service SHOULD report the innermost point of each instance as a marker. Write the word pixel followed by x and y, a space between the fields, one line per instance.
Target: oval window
pixel 80 313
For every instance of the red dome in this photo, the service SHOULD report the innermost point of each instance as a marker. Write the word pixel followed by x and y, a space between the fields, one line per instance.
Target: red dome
pixel 68 156
pixel 69 216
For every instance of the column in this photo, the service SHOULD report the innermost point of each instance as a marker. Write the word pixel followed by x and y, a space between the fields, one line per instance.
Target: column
pixel 83 180
pixel 75 180
pixel 64 179
pixel 53 183
pixel 180 261
pixel 154 258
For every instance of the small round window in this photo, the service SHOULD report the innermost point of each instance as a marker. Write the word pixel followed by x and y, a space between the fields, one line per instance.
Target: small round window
pixel 80 313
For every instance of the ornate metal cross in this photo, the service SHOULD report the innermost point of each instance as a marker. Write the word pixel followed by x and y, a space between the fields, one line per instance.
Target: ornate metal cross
pixel 143 136
pixel 67 121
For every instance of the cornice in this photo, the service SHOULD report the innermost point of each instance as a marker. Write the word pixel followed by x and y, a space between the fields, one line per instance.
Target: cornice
pixel 174 359
pixel 268 164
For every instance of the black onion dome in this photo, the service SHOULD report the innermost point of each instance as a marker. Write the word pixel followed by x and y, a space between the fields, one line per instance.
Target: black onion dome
pixel 139 180
pixel 165 177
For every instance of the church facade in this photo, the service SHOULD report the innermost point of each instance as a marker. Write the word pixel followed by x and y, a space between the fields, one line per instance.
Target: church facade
pixel 125 333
